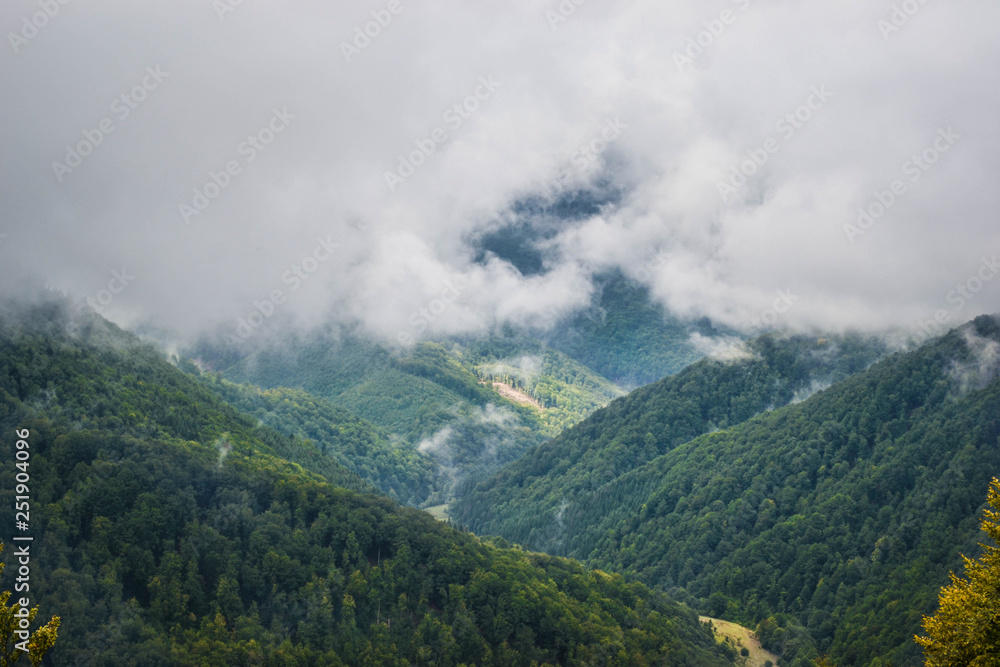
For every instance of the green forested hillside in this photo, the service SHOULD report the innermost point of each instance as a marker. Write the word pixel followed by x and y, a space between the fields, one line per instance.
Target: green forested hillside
pixel 566 390
pixel 830 525
pixel 396 468
pixel 430 398
pixel 527 501
pixel 476 403
pixel 170 530
pixel 415 393
pixel 355 374
pixel 438 396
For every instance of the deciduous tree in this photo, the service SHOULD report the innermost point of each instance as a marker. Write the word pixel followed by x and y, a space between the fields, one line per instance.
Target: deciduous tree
pixel 966 628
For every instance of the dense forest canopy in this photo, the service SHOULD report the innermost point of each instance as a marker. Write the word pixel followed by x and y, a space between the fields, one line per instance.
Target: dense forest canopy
pixel 447 398
pixel 829 524
pixel 395 467
pixel 522 501
pixel 171 529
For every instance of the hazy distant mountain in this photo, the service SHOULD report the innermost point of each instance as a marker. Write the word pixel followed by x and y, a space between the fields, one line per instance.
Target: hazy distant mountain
pixel 471 405
pixel 627 337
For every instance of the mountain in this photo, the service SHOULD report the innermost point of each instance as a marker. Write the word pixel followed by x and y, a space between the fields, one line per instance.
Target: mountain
pixel 394 467
pixel 563 390
pixel 528 500
pixel 626 336
pixel 171 529
pixel 470 404
pixel 830 524
pixel 474 403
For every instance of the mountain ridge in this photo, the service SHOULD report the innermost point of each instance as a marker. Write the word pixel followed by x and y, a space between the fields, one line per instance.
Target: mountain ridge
pixel 829 525
pixel 171 531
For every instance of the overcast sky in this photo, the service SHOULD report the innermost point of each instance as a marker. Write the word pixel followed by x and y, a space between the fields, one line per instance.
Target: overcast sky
pixel 117 114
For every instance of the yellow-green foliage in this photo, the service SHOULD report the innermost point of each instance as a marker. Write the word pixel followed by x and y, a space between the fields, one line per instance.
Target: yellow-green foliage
pixel 40 641
pixel 965 631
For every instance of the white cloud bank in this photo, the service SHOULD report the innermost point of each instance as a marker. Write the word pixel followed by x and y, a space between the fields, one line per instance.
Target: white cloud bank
pixel 257 117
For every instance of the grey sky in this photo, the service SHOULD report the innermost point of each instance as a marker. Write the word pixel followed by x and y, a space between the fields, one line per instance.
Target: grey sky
pixel 868 98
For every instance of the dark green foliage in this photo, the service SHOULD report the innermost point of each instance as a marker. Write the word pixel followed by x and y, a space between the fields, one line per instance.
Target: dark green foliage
pixel 325 364
pixel 434 397
pixel 426 397
pixel 395 468
pixel 434 362
pixel 833 522
pixel 169 532
pixel 88 373
pixel 412 394
pixel 531 500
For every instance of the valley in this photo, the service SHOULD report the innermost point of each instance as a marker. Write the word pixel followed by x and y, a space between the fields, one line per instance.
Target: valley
pixel 793 493
pixel 178 529
pixel 500 334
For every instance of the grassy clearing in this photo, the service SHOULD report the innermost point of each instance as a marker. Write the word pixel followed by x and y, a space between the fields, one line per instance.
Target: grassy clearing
pixel 439 512
pixel 740 637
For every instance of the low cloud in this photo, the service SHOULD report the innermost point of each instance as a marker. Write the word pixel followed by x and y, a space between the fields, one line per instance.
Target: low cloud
pixel 437 444
pixel 723 348
pixel 202 133
pixel 982 365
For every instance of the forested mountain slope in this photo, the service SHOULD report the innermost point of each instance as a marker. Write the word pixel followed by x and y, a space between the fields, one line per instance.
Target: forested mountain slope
pixel 416 392
pixel 527 500
pixel 566 390
pixel 169 530
pixel 831 523
pixel 413 399
pixel 439 396
pixel 393 466
pixel 475 403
